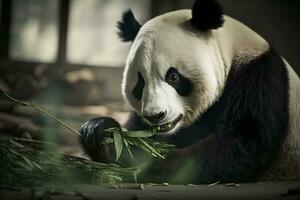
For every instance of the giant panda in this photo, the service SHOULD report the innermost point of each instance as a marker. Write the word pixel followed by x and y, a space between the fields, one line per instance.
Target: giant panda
pixel 214 88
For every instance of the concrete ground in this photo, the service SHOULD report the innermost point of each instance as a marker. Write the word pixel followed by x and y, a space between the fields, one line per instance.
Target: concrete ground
pixel 253 191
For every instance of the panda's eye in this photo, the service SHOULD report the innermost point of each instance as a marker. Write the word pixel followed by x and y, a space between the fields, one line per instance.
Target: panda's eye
pixel 173 78
pixel 181 84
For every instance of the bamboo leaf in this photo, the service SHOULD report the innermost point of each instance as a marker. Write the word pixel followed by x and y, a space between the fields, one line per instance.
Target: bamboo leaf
pixel 140 134
pixel 118 141
pixel 148 146
pixel 20 164
pixel 127 147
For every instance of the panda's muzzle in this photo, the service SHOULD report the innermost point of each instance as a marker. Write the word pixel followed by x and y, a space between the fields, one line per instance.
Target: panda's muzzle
pixel 163 128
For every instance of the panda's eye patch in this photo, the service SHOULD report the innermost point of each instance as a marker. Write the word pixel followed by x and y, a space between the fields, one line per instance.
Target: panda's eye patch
pixel 181 84
pixel 137 91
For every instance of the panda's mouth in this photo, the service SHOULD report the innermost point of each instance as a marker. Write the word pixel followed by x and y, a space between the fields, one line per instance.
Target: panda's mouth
pixel 167 127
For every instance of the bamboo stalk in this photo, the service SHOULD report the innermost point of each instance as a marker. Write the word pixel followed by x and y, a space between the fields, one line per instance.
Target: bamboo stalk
pixel 41 110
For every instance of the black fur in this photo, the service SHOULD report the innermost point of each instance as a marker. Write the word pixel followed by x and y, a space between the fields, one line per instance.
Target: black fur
pixel 136 123
pixel 183 85
pixel 137 91
pixel 207 15
pixel 92 133
pixel 128 26
pixel 236 139
pixel 239 136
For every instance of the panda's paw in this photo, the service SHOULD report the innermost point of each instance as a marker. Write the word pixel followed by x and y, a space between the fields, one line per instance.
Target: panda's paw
pixel 93 136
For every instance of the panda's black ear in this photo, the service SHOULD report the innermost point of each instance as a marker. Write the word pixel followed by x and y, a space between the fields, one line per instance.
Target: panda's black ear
pixel 128 26
pixel 207 15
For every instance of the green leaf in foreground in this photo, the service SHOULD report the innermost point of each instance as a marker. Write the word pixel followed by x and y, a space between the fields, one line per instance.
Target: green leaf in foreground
pixel 140 139
pixel 25 167
pixel 140 134
pixel 120 137
pixel 36 167
pixel 118 142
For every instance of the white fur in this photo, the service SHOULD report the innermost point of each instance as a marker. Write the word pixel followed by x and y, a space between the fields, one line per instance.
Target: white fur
pixel 206 60
pixel 152 54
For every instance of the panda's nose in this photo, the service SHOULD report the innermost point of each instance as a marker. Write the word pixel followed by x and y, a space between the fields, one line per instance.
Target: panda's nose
pixel 155 119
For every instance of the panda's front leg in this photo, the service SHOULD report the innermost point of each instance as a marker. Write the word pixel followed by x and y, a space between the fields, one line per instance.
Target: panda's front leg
pixel 215 158
pixel 93 135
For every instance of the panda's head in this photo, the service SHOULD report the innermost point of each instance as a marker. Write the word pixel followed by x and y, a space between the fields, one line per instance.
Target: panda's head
pixel 174 68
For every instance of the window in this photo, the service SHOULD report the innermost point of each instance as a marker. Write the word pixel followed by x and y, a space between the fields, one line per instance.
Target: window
pixel 92 33
pixel 75 32
pixel 34 30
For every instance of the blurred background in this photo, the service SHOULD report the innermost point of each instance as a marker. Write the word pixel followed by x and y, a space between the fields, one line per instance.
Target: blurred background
pixel 66 56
